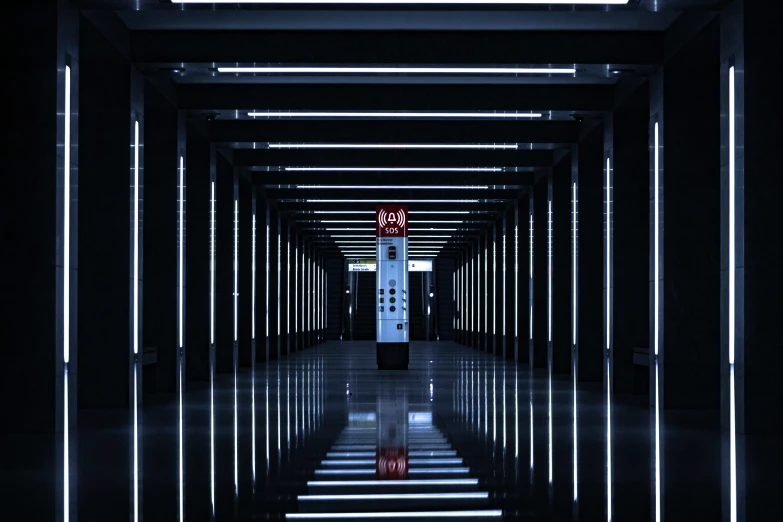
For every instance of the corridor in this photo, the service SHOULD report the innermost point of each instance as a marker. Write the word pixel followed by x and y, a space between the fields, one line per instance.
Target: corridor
pixel 467 436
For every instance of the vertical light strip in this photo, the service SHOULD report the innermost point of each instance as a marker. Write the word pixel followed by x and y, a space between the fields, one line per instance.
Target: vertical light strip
pixel 236 338
pixel 288 288
pixel 67 230
pixel 136 238
pixel 253 283
pixel 549 271
pixel 494 285
pixel 608 254
pixel 656 327
pixel 516 282
pixel 608 346
pixel 279 273
pixel 573 283
pixel 266 286
pixel 503 308
pixel 135 320
pixel 181 246
pixel 212 266
pixel 236 268
pixel 531 274
pixel 181 336
pixel 212 350
pixel 732 297
pixel 66 293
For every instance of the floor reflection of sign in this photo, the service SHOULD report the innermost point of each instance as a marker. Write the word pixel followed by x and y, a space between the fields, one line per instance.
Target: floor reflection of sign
pixel 391 464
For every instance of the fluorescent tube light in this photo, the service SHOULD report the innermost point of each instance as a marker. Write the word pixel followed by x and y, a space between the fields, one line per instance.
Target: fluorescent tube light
pixel 453 146
pixel 409 2
pixel 391 114
pixel 394 201
pixel 395 70
pixel 388 169
pixel 401 514
pixel 395 187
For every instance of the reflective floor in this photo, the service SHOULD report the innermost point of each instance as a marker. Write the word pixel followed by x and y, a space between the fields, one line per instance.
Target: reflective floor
pixel 323 434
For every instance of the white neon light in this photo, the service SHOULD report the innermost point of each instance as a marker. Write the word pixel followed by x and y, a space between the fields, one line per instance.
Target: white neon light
pixel 576 481
pixel 405 514
pixel 136 239
pixel 397 496
pixel 408 2
pixel 181 245
pixel 236 269
pixel 460 146
pixel 389 114
pixel 732 290
pixel 395 201
pixel 253 284
pixel 573 284
pixel 608 253
pixel 67 234
pixel 531 274
pixel 412 471
pixel 388 169
pixel 66 294
pixel 394 187
pixel 549 273
pixel 395 70
pixel 212 267
pixel 656 262
pixel 414 482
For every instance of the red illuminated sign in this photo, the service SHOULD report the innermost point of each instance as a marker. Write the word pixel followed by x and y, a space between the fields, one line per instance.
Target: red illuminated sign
pixel 391 464
pixel 391 221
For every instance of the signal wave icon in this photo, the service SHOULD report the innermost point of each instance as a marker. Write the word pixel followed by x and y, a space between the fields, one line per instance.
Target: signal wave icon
pixel 391 218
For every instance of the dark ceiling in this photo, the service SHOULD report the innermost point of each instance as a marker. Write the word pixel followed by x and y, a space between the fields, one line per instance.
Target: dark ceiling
pixel 611 48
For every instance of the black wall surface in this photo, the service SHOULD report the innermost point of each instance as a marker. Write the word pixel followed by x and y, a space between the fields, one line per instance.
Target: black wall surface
pixel 334 297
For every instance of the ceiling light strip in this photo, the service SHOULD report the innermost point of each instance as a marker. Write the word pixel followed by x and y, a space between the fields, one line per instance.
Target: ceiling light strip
pixel 394 70
pixel 390 114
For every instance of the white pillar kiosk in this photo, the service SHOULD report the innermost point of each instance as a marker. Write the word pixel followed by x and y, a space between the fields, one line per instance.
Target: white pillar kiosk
pixel 393 340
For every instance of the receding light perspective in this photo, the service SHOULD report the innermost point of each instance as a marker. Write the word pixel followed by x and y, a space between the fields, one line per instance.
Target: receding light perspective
pixel 391 260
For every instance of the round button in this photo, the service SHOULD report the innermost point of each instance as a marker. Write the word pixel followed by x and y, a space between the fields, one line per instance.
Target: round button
pixel 393 300
pixel 392 282
pixel 392 308
pixel 392 291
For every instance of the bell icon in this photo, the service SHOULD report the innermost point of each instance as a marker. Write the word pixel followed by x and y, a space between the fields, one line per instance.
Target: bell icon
pixel 392 218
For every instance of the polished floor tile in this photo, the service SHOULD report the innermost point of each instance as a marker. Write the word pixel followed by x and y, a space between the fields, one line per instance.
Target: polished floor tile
pixel 322 434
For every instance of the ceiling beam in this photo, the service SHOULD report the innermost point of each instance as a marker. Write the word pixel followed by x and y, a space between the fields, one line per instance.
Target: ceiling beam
pixel 386 178
pixel 392 158
pixel 398 47
pixel 386 97
pixel 227 132
pixel 371 195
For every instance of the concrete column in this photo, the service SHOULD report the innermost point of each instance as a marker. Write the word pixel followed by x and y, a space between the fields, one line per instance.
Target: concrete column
pixel 561 266
pixel 591 209
pixel 541 272
pixel 224 268
pixel 631 195
pixel 631 223
pixel 163 177
pixel 691 254
pixel 245 278
pixel 161 205
pixel 197 256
